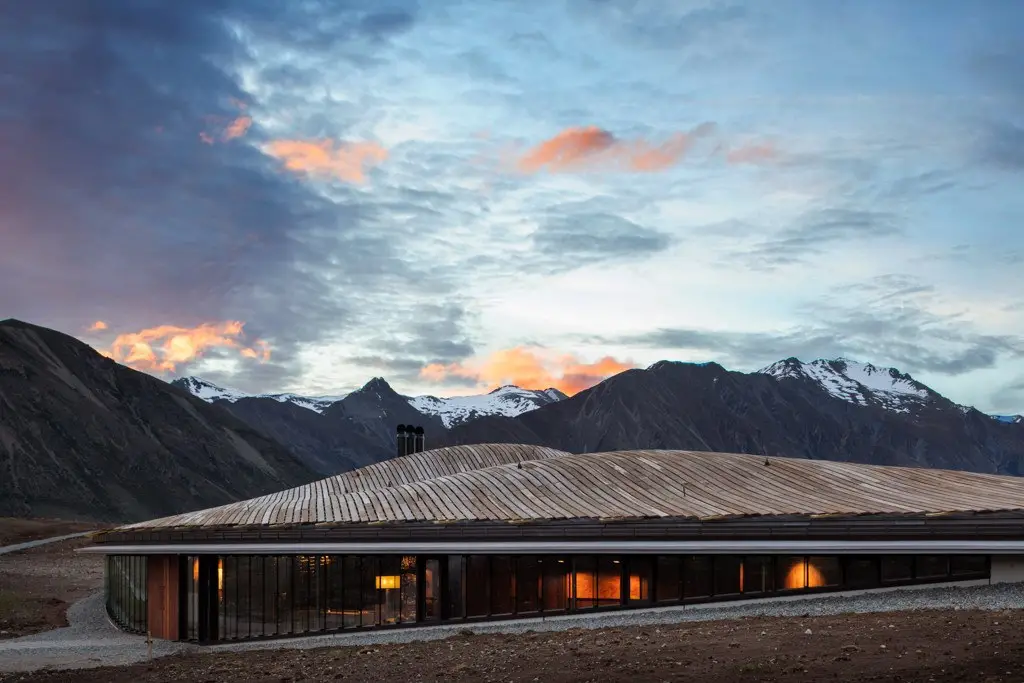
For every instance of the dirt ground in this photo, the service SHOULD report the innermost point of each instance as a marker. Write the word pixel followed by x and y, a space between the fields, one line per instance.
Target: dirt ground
pixel 939 646
pixel 38 585
pixel 14 530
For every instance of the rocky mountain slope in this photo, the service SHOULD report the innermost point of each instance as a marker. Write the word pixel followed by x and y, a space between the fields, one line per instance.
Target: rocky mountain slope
pixel 83 437
pixel 835 410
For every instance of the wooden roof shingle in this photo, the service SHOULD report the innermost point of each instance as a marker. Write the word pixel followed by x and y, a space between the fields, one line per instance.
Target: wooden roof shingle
pixel 532 483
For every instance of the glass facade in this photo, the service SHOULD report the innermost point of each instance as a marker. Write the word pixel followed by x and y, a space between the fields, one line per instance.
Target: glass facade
pixel 238 597
pixel 126 592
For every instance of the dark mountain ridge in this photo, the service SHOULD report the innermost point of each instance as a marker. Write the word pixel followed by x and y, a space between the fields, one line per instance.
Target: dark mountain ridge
pixel 706 407
pixel 84 437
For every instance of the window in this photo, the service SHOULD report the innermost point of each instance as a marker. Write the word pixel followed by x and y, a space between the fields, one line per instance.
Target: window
pixel 728 579
pixel 756 575
pixel 697 576
pixel 585 582
pixel 897 568
pixel 862 572
pixel 334 592
pixel 638 589
pixel 478 586
pixel 352 596
pixel 256 593
pixel 391 586
pixel 285 594
pixel 968 565
pixel 824 571
pixel 528 584
pixel 127 599
pixel 931 566
pixel 502 585
pixel 609 581
pixel 270 575
pixel 557 584
pixel 670 578
pixel 456 585
pixel 370 614
pixel 791 573
pixel 409 587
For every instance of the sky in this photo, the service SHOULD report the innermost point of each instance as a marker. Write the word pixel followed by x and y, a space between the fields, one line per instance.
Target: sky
pixel 452 195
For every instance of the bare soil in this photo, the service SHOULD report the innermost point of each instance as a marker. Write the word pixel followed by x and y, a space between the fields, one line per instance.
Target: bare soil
pixel 933 646
pixel 38 585
pixel 14 530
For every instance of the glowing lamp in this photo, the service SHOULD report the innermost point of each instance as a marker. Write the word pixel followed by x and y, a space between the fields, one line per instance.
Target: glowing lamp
pixel 387 582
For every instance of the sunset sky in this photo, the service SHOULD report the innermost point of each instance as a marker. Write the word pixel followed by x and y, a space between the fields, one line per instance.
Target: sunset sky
pixel 303 195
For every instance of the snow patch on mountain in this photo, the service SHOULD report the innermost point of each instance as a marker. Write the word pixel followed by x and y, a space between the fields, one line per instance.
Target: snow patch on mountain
pixel 210 392
pixel 858 383
pixel 1009 419
pixel 508 400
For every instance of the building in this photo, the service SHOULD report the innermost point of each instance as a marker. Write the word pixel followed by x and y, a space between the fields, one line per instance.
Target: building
pixel 500 531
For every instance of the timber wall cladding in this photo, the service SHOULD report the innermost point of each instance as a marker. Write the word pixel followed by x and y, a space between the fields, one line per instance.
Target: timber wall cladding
pixel 163 596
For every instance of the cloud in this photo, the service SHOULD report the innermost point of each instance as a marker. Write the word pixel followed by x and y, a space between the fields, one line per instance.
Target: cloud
pixel 238 127
pixel 162 349
pixel 565 242
pixel 98 326
pixel 1009 399
pixel 752 154
pixel 112 206
pixel 818 230
pixel 346 161
pixel 591 148
pixel 235 128
pixel 888 319
pixel 529 369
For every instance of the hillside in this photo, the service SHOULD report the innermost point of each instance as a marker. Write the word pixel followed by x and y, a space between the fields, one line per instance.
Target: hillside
pixel 82 437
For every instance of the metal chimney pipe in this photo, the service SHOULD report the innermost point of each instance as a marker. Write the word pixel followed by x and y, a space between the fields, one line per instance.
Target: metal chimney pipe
pixel 401 440
pixel 420 439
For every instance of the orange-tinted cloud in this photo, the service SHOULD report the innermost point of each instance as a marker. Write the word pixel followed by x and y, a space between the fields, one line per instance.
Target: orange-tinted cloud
pixel 530 369
pixel 752 154
pixel 237 128
pixel 593 148
pixel 162 348
pixel 98 326
pixel 344 160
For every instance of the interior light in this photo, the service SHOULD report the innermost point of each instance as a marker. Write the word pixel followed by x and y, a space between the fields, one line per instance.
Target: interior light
pixel 387 582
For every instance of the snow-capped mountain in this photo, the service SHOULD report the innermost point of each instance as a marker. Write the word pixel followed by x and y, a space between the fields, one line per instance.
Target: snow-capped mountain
pixel 508 400
pixel 210 392
pixel 859 383
pixel 1009 419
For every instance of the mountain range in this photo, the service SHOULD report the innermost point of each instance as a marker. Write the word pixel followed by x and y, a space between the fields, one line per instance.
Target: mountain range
pixel 830 409
pixel 83 436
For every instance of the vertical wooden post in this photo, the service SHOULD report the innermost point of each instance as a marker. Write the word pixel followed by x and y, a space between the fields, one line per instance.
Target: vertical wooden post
pixel 162 596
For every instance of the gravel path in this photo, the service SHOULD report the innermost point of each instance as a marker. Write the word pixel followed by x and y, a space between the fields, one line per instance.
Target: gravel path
pixel 92 641
pixel 42 541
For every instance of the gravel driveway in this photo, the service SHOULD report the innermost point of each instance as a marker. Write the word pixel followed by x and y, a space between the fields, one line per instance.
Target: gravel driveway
pixel 92 640
pixel 42 541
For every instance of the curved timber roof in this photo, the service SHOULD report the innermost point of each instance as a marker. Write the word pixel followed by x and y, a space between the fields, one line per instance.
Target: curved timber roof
pixel 530 483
